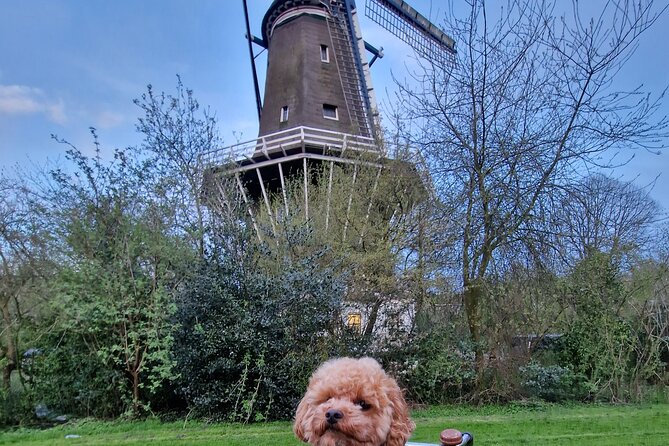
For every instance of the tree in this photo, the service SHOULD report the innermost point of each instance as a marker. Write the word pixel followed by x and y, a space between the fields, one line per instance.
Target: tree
pixel 602 214
pixel 25 263
pixel 176 133
pixel 526 105
pixel 113 297
pixel 599 341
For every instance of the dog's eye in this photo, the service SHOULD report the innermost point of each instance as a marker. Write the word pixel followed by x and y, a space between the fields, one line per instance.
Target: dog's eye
pixel 363 405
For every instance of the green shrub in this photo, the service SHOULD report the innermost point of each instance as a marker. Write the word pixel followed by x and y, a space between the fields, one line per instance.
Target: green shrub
pixel 434 368
pixel 68 378
pixel 16 408
pixel 248 340
pixel 552 383
pixel 599 340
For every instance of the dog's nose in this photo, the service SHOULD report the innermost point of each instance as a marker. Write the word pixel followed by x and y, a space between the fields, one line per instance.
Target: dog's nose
pixel 332 416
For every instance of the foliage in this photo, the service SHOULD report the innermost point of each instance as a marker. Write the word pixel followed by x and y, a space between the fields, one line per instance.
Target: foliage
pixel 176 132
pixel 435 368
pixel 15 408
pixel 598 342
pixel 107 349
pixel 552 383
pixel 71 378
pixel 249 338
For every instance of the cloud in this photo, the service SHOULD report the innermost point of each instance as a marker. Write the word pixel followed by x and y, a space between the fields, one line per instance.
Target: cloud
pixel 108 119
pixel 24 100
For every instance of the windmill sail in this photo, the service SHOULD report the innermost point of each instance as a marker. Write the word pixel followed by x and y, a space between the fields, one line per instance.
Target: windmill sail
pixel 413 28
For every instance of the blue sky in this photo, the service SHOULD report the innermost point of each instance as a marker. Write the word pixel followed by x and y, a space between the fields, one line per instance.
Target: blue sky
pixel 67 65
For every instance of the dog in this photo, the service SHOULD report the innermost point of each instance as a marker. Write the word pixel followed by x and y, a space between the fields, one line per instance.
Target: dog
pixel 353 402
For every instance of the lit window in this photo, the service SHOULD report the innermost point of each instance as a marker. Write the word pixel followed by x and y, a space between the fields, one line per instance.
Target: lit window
pixel 330 112
pixel 354 321
pixel 284 114
pixel 325 54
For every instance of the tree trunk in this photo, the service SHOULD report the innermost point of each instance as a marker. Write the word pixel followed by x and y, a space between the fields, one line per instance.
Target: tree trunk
pixel 10 346
pixel 373 316
pixel 473 294
pixel 135 392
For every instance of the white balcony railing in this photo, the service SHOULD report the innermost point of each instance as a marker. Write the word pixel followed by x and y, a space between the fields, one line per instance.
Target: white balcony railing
pixel 287 140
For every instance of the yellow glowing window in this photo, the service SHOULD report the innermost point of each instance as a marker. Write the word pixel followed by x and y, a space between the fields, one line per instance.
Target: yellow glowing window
pixel 354 320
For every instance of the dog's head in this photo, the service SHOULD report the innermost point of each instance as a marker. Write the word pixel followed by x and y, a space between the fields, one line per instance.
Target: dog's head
pixel 352 402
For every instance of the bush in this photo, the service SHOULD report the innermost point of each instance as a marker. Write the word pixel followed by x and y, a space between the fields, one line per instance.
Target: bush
pixel 15 408
pixel 70 379
pixel 434 368
pixel 552 383
pixel 248 340
pixel 598 343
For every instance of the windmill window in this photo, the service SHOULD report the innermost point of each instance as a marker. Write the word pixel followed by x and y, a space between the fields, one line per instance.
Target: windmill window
pixel 325 54
pixel 330 112
pixel 284 114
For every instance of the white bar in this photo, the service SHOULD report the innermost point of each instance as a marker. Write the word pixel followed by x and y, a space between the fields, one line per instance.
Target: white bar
pixel 264 194
pixel 298 136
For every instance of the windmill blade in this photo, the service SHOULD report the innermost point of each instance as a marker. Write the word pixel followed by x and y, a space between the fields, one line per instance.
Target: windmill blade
pixel 413 28
pixel 250 38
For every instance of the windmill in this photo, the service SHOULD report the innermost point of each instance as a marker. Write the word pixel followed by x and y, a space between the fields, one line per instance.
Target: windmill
pixel 319 103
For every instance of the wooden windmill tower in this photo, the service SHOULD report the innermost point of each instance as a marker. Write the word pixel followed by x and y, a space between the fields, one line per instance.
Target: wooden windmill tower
pixel 319 105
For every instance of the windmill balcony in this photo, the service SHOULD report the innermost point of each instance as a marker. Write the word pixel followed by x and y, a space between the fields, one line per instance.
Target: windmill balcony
pixel 303 156
pixel 262 166
pixel 298 142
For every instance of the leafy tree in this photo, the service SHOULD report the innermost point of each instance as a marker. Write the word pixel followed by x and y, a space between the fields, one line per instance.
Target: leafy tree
pixel 598 341
pixel 113 298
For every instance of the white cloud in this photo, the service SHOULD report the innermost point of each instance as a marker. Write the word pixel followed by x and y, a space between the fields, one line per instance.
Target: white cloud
pixel 56 112
pixel 108 119
pixel 22 100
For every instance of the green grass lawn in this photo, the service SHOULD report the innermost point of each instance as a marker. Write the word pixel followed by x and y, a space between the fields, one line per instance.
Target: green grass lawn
pixel 509 425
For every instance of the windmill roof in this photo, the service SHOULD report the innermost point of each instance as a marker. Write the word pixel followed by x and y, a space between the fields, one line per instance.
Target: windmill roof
pixel 277 8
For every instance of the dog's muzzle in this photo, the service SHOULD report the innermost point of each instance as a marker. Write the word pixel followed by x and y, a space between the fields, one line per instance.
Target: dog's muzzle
pixel 333 416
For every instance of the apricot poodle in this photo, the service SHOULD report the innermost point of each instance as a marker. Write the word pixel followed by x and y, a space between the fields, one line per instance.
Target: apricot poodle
pixel 352 402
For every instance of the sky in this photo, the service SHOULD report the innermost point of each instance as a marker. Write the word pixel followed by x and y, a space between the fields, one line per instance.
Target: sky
pixel 67 65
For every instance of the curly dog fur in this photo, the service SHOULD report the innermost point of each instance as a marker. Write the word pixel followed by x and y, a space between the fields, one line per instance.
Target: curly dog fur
pixel 352 402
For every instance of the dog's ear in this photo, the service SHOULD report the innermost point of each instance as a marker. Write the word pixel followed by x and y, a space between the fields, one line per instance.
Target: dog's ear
pixel 401 426
pixel 301 420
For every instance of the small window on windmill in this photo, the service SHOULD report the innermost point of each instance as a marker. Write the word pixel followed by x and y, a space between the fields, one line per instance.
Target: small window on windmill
pixel 330 112
pixel 354 321
pixel 284 114
pixel 325 54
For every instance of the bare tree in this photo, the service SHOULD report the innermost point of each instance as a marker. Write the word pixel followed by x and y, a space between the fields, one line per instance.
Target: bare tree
pixel 603 214
pixel 527 105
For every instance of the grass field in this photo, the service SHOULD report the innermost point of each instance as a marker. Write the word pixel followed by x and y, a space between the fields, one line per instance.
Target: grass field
pixel 509 425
